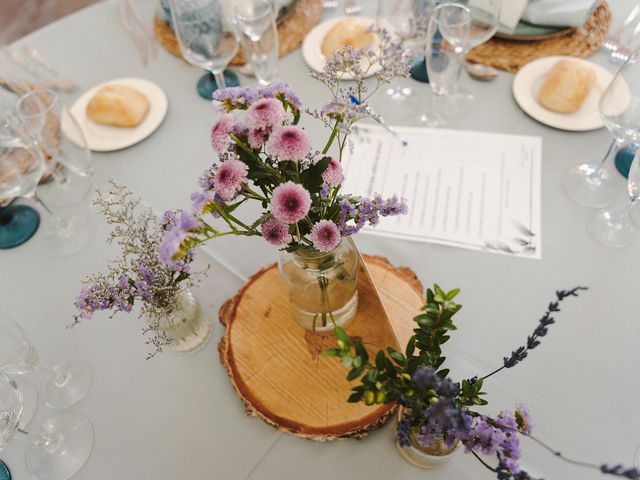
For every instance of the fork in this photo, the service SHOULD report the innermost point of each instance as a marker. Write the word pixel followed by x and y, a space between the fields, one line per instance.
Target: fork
pixel 64 82
pixel 352 7
pixel 329 4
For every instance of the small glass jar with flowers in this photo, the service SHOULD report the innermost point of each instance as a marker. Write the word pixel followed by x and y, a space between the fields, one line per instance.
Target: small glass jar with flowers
pixel 266 157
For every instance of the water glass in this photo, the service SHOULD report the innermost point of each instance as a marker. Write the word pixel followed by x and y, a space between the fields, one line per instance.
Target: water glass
pixel 595 185
pixel 207 39
pixel 447 37
pixel 256 25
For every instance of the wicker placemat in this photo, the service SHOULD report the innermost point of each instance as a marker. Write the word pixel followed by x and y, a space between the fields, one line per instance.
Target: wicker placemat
pixel 291 31
pixel 511 55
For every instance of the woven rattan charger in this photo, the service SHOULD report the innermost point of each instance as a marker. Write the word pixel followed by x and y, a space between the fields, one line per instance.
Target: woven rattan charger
pixel 511 55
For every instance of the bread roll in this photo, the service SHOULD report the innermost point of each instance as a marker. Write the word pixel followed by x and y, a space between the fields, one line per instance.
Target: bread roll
pixel 348 31
pixel 567 86
pixel 118 105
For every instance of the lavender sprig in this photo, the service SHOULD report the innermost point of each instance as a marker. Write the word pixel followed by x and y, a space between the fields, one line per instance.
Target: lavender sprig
pixel 541 330
pixel 620 471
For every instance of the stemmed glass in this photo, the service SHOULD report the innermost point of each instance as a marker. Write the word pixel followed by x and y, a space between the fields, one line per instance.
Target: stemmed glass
pixel 207 39
pixel 61 448
pixel 59 134
pixel 447 36
pixel 256 24
pixel 65 384
pixel 21 168
pixel 614 227
pixel 400 17
pixel 593 185
pixel 485 18
pixel 18 223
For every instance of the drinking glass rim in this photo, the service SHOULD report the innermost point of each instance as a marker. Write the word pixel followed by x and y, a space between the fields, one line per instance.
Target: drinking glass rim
pixel 50 94
pixel 451 4
pixel 269 11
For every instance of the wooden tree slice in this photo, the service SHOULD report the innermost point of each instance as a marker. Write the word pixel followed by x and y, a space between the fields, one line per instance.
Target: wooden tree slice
pixel 278 369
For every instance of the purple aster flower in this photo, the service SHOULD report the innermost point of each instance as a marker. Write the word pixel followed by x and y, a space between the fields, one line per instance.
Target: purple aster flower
pixel 275 232
pixel 171 246
pixel 289 143
pixel 220 132
pixel 233 98
pixel 334 174
pixel 523 419
pixel 325 236
pixel 290 202
pixel 266 112
pixel 230 176
pixel 200 200
pixel 189 222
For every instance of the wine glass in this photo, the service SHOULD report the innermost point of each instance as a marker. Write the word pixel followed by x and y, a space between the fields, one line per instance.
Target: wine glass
pixel 447 36
pixel 58 133
pixel 207 39
pixel 61 448
pixel 65 384
pixel 21 168
pixel 614 227
pixel 18 223
pixel 594 185
pixel 485 18
pixel 399 17
pixel 256 24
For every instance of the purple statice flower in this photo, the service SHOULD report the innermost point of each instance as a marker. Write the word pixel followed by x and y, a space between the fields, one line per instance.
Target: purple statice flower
pixel 334 174
pixel 391 206
pixel 275 232
pixel 230 177
pixel 143 289
pixel 289 143
pixel 174 238
pixel 220 132
pixel 257 138
pixel 235 98
pixel 266 112
pixel 169 219
pixel 484 437
pixel 507 421
pixel 325 236
pixel 523 419
pixel 290 202
pixel 283 92
pixel 189 222
pixel 200 200
pixel 324 191
pixel 146 274
pixel 206 179
pixel 91 299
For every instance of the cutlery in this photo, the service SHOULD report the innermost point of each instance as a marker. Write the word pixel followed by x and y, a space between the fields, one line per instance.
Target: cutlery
pixel 478 71
pixel 151 41
pixel 352 7
pixel 20 61
pixel 65 83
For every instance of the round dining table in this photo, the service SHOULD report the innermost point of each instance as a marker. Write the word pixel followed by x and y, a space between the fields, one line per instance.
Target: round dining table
pixel 178 417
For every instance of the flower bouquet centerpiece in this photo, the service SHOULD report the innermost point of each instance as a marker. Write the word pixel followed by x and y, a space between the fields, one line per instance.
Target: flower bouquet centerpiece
pixel 173 313
pixel 438 417
pixel 266 157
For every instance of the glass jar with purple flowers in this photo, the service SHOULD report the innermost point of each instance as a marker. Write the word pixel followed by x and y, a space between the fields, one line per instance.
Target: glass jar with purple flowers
pixel 435 454
pixel 185 328
pixel 323 286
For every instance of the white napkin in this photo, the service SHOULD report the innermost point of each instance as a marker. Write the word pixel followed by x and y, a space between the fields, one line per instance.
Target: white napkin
pixel 511 13
pixel 561 13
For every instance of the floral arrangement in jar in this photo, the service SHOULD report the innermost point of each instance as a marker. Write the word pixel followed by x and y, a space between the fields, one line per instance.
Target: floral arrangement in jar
pixel 173 314
pixel 266 157
pixel 436 416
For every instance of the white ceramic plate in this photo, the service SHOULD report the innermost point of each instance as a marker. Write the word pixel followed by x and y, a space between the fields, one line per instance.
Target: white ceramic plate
pixel 103 138
pixel 528 82
pixel 311 46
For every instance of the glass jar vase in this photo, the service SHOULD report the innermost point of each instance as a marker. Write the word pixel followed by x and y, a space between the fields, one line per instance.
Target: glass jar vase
pixel 433 456
pixel 323 286
pixel 185 325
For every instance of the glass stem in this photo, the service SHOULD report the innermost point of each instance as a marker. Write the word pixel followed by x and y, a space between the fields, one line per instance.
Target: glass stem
pixel 219 76
pixel 59 379
pixel 57 221
pixel 461 55
pixel 49 443
pixel 611 152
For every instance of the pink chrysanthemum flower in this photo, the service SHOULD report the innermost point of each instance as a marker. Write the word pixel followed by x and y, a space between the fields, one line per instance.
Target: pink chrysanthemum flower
pixel 325 236
pixel 334 174
pixel 289 143
pixel 290 202
pixel 220 132
pixel 257 138
pixel 230 176
pixel 266 112
pixel 275 232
